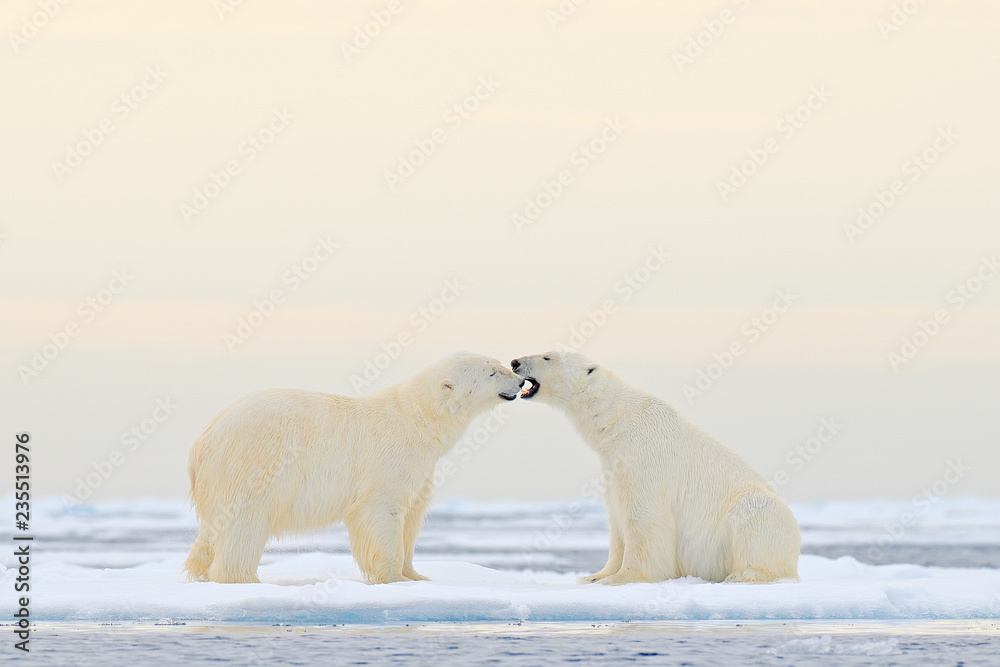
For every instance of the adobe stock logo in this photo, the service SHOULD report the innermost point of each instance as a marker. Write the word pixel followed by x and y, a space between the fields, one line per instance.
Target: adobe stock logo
pixel 914 168
pixel 786 127
pixel 920 505
pixel 459 112
pixel 712 30
pixel 627 287
pixel 31 25
pixel 131 440
pixel 420 320
pixel 958 298
pixel 264 308
pixel 562 12
pixel 225 7
pixel 799 455
pixel 248 151
pixel 899 17
pixel 87 311
pixel 752 330
pixel 121 108
pixel 582 158
pixel 363 35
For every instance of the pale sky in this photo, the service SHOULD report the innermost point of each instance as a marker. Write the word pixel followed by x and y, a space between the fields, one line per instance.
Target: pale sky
pixel 121 118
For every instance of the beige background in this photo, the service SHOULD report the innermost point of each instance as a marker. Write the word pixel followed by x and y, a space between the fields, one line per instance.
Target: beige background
pixel 655 185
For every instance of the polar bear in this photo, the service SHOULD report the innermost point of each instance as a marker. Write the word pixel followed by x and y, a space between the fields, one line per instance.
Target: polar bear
pixel 680 503
pixel 282 460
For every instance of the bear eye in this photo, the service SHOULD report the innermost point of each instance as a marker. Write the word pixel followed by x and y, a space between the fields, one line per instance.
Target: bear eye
pixel 493 373
pixel 547 358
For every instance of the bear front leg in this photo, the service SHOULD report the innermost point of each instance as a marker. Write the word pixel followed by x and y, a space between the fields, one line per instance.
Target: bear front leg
pixel 616 551
pixel 650 550
pixel 411 528
pixel 375 531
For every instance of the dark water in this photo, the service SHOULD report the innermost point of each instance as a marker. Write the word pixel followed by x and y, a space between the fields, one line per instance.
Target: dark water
pixel 939 555
pixel 721 643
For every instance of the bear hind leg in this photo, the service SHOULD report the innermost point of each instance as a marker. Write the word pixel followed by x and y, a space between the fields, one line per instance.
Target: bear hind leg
pixel 238 549
pixel 765 540
pixel 200 559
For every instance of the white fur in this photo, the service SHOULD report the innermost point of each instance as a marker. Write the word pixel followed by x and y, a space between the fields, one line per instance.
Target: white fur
pixel 282 460
pixel 680 503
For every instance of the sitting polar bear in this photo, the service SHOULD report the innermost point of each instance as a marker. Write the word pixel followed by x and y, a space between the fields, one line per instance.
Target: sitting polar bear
pixel 680 503
pixel 281 460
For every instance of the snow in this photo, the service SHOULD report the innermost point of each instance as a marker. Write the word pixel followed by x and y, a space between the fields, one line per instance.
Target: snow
pixel 327 588
pixel 506 562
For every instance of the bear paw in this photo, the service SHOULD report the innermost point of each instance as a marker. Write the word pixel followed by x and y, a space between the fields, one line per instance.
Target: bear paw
pixel 413 575
pixel 386 578
pixel 748 576
pixel 631 577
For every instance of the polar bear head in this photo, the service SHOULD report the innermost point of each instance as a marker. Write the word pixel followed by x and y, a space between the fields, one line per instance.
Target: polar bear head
pixel 558 378
pixel 471 383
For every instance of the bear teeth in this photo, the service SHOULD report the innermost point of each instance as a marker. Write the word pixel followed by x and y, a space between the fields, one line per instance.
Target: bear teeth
pixel 531 389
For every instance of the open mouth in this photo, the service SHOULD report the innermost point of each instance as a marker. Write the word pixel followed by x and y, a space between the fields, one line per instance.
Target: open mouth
pixel 531 389
pixel 508 397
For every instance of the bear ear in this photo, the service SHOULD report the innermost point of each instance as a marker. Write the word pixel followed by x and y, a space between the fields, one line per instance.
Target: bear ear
pixel 448 396
pixel 591 370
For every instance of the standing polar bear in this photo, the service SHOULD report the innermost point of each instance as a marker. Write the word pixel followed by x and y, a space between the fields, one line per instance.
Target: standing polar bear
pixel 281 460
pixel 680 503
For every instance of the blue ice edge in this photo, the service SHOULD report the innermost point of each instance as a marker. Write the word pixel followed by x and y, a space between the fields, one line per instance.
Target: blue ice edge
pixel 482 612
pixel 394 616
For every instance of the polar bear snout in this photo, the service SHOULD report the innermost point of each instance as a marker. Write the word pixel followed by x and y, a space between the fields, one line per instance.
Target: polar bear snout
pixel 557 377
pixel 513 382
pixel 511 394
pixel 523 367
